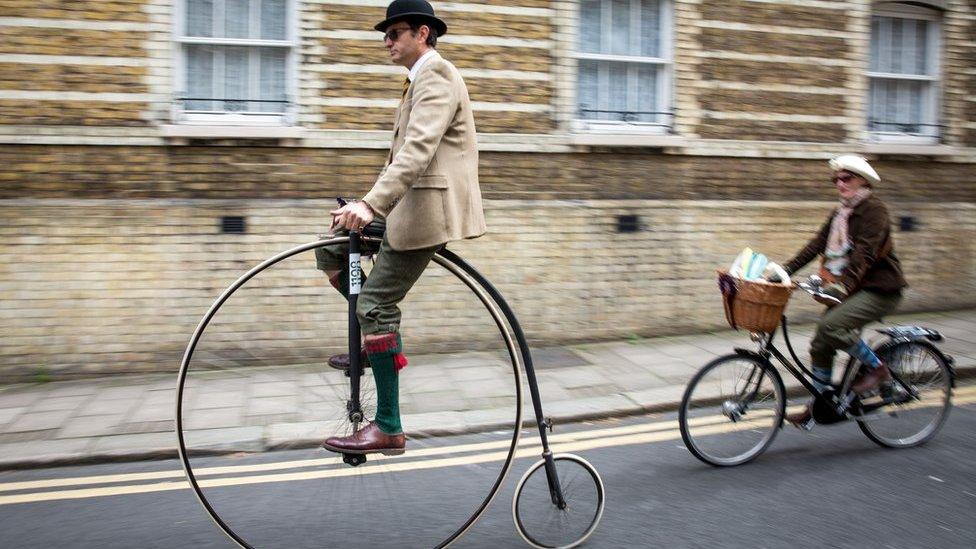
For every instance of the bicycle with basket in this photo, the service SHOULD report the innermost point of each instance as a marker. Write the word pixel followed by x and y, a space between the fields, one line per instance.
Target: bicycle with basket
pixel 734 406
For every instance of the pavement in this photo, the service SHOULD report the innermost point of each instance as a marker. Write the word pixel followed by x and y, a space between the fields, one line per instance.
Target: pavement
pixel 258 409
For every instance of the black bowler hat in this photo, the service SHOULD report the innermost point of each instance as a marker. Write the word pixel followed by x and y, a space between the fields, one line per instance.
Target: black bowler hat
pixel 398 10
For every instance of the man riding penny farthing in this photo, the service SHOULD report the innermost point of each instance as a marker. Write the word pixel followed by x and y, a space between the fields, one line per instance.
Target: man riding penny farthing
pixel 429 195
pixel 426 195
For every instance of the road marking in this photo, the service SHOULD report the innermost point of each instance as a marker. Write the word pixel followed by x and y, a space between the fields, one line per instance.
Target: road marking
pixel 334 460
pixel 568 442
pixel 387 467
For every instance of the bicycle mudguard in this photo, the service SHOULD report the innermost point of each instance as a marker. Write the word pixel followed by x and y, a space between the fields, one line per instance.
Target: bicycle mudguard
pixel 911 333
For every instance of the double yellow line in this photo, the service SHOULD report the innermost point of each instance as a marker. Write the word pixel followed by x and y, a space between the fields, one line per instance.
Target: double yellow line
pixel 332 467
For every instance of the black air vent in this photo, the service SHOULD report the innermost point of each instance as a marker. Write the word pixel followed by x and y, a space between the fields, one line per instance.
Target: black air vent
pixel 233 224
pixel 628 223
pixel 907 223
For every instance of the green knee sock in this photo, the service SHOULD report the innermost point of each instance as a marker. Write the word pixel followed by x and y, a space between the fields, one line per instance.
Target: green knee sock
pixel 386 357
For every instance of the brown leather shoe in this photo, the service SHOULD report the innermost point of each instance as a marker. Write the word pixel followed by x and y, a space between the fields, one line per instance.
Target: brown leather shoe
pixel 341 361
pixel 802 419
pixel 872 379
pixel 368 440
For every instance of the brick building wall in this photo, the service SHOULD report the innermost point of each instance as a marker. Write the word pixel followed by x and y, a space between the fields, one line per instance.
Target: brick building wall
pixel 110 242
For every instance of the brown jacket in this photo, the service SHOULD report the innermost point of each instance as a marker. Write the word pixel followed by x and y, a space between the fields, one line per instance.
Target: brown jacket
pixel 870 268
pixel 428 192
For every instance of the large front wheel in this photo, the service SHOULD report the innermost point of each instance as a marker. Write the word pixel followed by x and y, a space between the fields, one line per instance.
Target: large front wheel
pixel 732 410
pixel 545 521
pixel 254 379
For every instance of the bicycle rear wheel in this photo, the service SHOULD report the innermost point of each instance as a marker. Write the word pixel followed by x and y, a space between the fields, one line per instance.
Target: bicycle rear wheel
pixel 911 415
pixel 542 522
pixel 732 410
pixel 308 497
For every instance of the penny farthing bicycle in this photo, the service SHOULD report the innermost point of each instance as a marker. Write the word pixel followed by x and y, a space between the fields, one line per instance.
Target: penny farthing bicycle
pixel 456 461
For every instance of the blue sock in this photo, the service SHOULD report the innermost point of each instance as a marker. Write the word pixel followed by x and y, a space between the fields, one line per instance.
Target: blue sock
pixel 824 374
pixel 864 354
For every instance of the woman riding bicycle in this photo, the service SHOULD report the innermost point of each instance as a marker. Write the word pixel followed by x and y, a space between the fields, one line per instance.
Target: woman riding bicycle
pixel 859 267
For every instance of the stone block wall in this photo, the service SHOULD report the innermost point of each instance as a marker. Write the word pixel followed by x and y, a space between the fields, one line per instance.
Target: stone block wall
pixel 109 269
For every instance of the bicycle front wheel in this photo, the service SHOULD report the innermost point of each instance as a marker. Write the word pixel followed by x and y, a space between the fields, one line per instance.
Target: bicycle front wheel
pixel 542 520
pixel 732 410
pixel 256 398
pixel 915 411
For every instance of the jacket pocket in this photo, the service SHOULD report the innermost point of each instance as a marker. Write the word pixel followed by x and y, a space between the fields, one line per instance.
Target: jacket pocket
pixel 431 182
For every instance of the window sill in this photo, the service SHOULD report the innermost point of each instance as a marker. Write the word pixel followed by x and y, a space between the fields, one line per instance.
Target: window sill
pixel 201 131
pixel 629 139
pixel 915 149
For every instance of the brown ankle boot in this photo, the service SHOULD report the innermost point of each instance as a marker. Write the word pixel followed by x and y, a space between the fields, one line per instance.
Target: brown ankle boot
pixel 368 440
pixel 872 379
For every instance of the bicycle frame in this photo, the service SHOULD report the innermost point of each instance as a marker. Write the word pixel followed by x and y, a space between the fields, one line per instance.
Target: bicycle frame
pixel 843 396
pixel 541 421
pixel 355 360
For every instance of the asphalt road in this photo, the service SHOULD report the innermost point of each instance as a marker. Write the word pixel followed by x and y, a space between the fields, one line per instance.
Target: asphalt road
pixel 828 488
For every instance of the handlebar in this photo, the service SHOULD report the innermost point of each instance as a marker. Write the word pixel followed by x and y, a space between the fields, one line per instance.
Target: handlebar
pixel 814 287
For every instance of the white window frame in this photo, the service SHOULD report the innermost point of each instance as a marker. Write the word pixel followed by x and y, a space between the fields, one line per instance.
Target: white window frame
pixel 931 100
pixel 665 83
pixel 224 118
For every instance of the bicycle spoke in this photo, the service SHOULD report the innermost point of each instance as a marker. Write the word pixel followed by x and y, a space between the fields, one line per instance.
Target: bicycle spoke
pixel 911 422
pixel 736 422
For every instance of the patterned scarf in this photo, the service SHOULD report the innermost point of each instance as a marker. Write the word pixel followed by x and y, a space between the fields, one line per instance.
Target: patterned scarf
pixel 838 242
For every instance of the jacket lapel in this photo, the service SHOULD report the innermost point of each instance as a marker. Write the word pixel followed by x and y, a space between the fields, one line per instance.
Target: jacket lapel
pixel 409 95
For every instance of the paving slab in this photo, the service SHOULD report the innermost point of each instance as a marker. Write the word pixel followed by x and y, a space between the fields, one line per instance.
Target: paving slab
pixel 99 406
pixel 9 414
pixel 234 439
pixel 91 426
pixel 39 421
pixel 20 397
pixel 213 418
pixel 145 444
pixel 43 452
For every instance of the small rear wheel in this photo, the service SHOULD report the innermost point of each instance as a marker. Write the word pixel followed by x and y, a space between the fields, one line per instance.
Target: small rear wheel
pixel 732 410
pixel 919 401
pixel 543 522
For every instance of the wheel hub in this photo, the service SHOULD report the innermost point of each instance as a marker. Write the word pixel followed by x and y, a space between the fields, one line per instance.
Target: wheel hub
pixel 732 410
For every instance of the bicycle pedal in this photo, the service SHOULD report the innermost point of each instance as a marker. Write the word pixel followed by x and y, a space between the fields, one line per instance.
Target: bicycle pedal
pixel 354 459
pixel 806 426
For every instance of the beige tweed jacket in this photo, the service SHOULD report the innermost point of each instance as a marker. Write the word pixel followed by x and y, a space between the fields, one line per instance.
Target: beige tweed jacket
pixel 428 191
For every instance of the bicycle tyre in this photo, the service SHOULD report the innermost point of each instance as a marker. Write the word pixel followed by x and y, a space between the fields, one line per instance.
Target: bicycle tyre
pixel 701 412
pixel 938 391
pixel 535 480
pixel 477 285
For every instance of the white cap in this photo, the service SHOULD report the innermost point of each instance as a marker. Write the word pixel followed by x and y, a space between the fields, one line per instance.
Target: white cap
pixel 857 165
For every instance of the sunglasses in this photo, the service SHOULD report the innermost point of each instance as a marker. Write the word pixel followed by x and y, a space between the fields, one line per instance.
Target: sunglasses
pixel 393 34
pixel 842 178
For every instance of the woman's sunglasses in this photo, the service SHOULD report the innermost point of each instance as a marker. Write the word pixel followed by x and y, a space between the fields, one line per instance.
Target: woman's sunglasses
pixel 843 178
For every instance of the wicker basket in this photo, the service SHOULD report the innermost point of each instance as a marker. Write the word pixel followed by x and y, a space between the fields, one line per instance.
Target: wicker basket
pixel 753 305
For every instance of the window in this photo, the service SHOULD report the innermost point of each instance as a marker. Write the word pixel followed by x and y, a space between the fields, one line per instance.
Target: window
pixel 624 65
pixel 904 74
pixel 235 62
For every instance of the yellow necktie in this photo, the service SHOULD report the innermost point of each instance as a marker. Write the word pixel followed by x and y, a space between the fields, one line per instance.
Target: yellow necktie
pixel 406 85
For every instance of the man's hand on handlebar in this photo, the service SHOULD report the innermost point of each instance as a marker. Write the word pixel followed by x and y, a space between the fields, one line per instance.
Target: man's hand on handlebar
pixel 352 216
